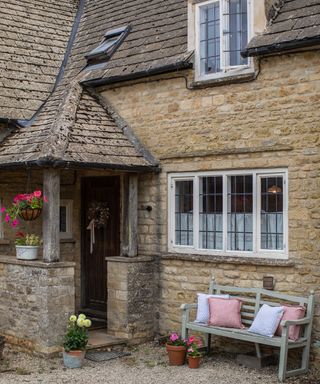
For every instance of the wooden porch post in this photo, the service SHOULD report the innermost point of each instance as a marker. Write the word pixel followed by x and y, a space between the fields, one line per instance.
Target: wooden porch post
pixel 129 238
pixel 51 215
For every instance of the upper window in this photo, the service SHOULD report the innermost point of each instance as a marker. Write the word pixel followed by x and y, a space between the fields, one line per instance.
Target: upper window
pixel 242 212
pixel 111 41
pixel 222 32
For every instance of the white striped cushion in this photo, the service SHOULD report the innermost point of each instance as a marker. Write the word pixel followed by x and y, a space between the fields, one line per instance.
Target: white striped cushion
pixel 203 307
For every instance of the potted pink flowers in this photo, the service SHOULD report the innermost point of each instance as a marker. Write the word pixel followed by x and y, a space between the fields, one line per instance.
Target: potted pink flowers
pixel 176 348
pixel 27 206
pixel 194 355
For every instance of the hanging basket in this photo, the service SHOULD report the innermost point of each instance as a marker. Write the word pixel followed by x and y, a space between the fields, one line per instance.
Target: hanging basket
pixel 29 214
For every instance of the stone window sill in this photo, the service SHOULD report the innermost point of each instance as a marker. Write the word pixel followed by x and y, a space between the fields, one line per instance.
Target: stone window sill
pixel 4 242
pixel 65 241
pixel 224 80
pixel 229 260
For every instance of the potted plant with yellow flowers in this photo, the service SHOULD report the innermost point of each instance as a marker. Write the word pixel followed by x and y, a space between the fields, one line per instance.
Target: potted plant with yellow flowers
pixel 75 341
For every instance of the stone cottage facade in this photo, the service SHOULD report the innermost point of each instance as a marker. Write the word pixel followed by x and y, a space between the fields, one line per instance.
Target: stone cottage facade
pixel 207 158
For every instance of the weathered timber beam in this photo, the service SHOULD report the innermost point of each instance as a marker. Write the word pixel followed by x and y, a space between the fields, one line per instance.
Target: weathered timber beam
pixel 129 232
pixel 51 215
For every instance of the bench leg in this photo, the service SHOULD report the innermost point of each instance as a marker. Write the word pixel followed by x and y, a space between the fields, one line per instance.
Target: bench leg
pixel 184 329
pixel 207 340
pixel 305 357
pixel 283 363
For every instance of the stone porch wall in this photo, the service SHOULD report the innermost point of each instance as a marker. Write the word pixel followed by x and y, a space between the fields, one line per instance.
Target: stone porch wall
pixel 35 303
pixel 131 298
pixel 270 122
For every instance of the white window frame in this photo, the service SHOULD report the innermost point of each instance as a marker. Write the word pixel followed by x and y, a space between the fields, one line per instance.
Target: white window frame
pixel 226 71
pixel 257 252
pixel 69 212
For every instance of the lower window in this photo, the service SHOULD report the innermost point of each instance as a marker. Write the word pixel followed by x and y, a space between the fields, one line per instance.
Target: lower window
pixel 66 219
pixel 229 212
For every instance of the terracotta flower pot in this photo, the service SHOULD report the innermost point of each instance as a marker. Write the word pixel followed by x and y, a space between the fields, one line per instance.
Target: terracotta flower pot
pixel 176 354
pixel 29 214
pixel 194 361
pixel 73 359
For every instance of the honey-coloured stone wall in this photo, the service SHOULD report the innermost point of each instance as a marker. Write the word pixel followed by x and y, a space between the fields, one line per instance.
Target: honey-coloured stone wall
pixel 270 122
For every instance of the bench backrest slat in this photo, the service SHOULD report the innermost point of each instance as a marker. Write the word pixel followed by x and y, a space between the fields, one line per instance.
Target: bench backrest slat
pixel 254 298
pixel 246 321
pixel 248 307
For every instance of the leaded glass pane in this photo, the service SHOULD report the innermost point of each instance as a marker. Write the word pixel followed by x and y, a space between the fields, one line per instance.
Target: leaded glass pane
pixel 240 219
pixel 210 38
pixel 184 212
pixel 271 215
pixel 210 212
pixel 236 31
pixel 63 219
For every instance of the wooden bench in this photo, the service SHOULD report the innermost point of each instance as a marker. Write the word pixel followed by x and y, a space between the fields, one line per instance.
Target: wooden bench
pixel 253 299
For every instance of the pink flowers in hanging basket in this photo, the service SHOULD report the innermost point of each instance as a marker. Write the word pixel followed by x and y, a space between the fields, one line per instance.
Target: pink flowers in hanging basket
pixel 21 203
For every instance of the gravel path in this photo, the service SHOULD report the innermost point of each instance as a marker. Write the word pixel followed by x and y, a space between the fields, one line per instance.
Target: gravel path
pixel 146 365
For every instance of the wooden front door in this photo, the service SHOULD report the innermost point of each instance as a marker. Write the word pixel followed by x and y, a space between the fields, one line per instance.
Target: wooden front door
pixel 98 192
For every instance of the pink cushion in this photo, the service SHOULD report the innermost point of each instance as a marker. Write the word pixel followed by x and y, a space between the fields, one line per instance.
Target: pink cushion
pixel 225 313
pixel 292 313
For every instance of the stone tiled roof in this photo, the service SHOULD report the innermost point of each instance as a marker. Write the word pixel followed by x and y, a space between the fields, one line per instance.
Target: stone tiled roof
pixel 296 24
pixel 33 40
pixel 83 130
pixel 75 126
pixel 158 37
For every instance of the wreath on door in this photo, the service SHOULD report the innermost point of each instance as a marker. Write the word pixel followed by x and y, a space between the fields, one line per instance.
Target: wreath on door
pixel 99 213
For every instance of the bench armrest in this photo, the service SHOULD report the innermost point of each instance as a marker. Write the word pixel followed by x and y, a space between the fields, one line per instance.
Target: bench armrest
pixel 287 323
pixel 185 307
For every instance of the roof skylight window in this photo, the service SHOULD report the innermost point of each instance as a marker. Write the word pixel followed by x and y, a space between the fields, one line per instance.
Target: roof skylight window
pixel 111 41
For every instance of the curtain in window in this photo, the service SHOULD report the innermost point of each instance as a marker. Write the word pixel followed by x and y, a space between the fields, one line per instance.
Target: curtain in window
pixel 240 218
pixel 271 214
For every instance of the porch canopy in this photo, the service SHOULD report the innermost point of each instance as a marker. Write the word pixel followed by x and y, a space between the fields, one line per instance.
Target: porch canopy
pixel 76 128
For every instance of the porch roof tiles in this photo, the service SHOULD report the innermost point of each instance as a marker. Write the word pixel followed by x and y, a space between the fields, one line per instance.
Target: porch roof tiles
pixel 83 131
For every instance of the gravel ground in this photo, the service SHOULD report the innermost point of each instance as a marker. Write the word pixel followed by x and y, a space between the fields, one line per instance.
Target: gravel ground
pixel 146 365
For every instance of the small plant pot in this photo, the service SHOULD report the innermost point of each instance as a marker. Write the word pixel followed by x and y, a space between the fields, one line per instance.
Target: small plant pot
pixel 27 252
pixel 194 362
pixel 176 354
pixel 73 359
pixel 29 214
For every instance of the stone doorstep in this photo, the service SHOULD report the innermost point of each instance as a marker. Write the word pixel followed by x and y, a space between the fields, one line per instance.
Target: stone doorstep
pixel 100 340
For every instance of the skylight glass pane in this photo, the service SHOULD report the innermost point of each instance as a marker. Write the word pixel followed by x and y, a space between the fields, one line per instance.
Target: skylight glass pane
pixel 104 47
pixel 112 39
